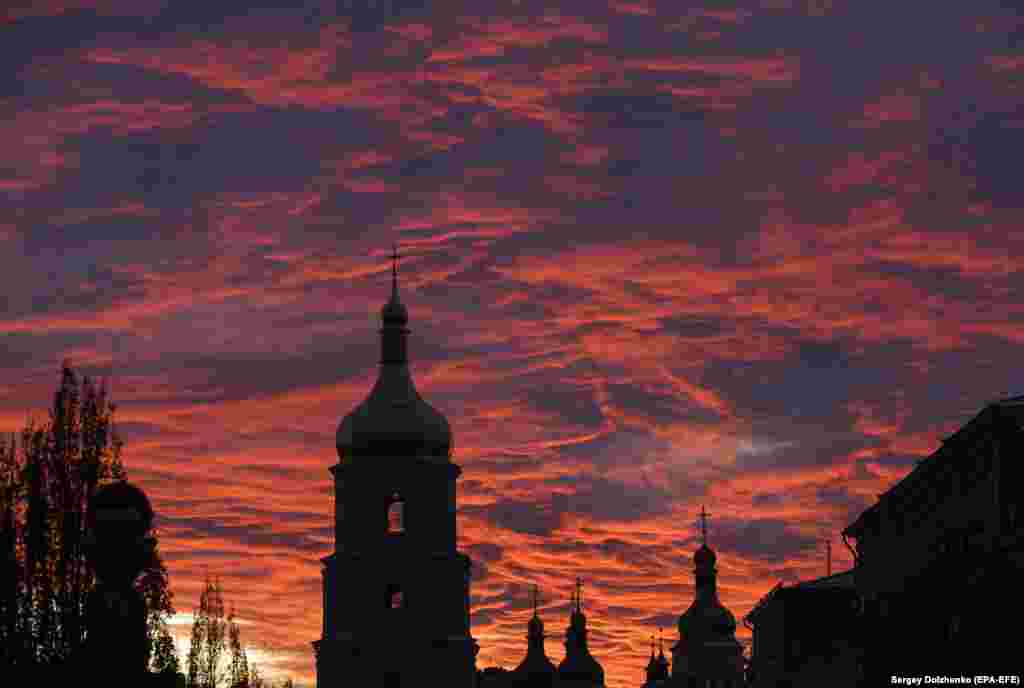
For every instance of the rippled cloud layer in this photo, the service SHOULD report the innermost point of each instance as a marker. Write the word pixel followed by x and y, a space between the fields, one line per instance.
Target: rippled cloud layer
pixel 758 257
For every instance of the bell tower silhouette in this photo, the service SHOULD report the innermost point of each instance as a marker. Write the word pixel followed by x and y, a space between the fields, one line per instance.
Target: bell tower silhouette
pixel 396 589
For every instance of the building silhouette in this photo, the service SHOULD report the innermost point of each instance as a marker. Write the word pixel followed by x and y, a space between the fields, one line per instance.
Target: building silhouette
pixel 536 669
pixel 939 557
pixel 578 669
pixel 806 635
pixel 396 589
pixel 657 672
pixel 707 653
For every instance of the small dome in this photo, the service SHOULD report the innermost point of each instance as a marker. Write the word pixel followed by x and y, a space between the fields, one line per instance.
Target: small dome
pixel 535 626
pixel 536 663
pixel 578 619
pixel 394 311
pixel 581 666
pixel 704 556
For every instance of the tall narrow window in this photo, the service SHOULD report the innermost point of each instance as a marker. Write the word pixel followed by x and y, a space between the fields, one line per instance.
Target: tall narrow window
pixel 395 597
pixel 395 514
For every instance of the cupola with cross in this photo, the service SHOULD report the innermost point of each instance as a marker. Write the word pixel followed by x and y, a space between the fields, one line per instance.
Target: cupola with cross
pixel 578 668
pixel 707 649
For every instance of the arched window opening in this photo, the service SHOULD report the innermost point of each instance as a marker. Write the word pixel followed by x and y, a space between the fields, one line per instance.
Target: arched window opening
pixel 395 598
pixel 396 523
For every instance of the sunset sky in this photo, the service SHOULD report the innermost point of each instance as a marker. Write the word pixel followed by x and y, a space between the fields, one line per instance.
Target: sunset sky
pixel 758 257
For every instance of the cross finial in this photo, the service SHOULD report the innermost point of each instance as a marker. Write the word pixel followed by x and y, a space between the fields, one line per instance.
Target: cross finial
pixel 394 267
pixel 704 524
pixel 535 599
pixel 579 593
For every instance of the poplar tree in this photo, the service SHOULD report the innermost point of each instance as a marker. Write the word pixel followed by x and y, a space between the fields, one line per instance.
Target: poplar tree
pixel 239 661
pixel 213 641
pixel 164 655
pixel 212 635
pixel 10 572
pixel 195 648
pixel 207 643
pixel 45 488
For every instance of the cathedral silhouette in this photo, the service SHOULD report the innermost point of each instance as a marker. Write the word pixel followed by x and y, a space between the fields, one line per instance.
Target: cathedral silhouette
pixel 397 580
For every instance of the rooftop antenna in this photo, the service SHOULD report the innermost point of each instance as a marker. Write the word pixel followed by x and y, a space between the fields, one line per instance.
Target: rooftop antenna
pixel 115 349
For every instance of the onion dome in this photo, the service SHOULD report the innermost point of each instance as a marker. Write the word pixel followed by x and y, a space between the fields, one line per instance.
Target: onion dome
pixel 394 420
pixel 657 667
pixel 707 617
pixel 535 627
pixel 661 671
pixel 652 664
pixel 579 666
pixel 705 556
pixel 536 668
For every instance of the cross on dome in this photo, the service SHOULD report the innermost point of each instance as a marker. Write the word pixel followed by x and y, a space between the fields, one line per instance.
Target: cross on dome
pixel 704 524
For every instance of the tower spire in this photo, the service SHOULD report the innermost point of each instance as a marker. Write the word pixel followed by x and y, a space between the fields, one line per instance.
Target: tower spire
pixel 535 599
pixel 579 594
pixel 394 267
pixel 704 525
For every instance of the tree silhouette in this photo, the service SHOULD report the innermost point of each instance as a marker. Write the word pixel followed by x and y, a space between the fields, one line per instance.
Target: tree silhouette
pixel 212 635
pixel 195 648
pixel 207 643
pixel 45 578
pixel 164 656
pixel 239 662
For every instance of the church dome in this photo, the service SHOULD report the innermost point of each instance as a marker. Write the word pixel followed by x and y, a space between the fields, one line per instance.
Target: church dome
pixel 704 556
pixel 534 664
pixel 582 667
pixel 535 626
pixel 707 617
pixel 394 420
pixel 578 665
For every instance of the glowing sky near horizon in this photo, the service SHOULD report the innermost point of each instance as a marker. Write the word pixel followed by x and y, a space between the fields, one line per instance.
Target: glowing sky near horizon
pixel 658 255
